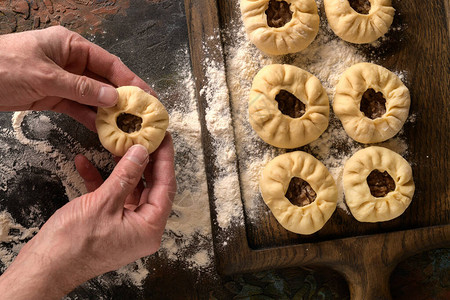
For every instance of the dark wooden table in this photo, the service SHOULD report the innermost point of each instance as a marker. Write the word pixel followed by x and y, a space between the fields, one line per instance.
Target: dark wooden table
pixel 147 35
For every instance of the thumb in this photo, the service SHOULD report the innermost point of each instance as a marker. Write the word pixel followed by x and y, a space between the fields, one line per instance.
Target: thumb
pixel 125 177
pixel 84 90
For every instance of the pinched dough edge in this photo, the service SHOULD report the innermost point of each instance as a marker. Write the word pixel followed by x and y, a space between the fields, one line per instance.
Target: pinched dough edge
pixel 357 28
pixel 270 123
pixel 352 85
pixel 135 101
pixel 362 204
pixel 274 184
pixel 295 36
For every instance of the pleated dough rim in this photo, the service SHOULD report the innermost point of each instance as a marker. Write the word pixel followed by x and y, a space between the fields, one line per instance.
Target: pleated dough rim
pixel 274 183
pixel 348 23
pixel 293 37
pixel 362 204
pixel 346 104
pixel 135 101
pixel 270 123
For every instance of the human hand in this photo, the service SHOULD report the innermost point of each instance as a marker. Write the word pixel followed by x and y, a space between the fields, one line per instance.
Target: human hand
pixel 57 69
pixel 118 222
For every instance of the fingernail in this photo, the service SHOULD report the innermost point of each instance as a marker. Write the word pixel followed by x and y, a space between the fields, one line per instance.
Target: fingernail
pixel 137 154
pixel 108 96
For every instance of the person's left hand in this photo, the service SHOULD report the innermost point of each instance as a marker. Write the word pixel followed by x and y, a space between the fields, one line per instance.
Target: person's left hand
pixel 57 69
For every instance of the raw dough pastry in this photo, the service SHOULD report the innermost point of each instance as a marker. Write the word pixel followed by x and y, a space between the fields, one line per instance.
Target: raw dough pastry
pixel 356 27
pixel 280 27
pixel 299 95
pixel 378 184
pixel 378 92
pixel 137 118
pixel 276 181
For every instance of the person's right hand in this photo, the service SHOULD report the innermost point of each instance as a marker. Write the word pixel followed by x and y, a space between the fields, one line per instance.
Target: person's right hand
pixel 119 221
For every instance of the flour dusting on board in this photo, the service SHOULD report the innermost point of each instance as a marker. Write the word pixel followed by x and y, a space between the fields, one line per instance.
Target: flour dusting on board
pixel 326 58
pixel 219 124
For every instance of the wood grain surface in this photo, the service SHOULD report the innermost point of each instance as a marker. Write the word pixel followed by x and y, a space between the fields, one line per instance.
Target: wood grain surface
pixel 365 253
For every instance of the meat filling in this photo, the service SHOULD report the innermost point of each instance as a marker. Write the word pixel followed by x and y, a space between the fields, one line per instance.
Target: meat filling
pixel 278 13
pixel 380 184
pixel 129 123
pixel 290 105
pixel 373 104
pixel 360 6
pixel 300 193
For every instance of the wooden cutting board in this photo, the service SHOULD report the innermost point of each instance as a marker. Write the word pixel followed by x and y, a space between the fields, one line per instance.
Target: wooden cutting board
pixel 364 253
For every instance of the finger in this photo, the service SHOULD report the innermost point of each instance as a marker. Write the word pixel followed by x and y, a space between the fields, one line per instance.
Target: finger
pixel 92 178
pixel 148 173
pixel 132 201
pixel 125 177
pixel 143 188
pixel 159 197
pixel 89 74
pixel 163 171
pixel 83 89
pixel 108 66
pixel 82 54
pixel 146 184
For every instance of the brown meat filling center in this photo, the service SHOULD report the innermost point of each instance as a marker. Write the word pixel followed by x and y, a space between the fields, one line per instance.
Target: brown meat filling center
pixel 380 184
pixel 129 123
pixel 278 13
pixel 360 6
pixel 300 193
pixel 373 104
pixel 290 105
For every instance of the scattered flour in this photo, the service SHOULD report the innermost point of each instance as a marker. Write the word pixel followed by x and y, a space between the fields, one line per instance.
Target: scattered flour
pixel 188 230
pixel 227 197
pixel 13 234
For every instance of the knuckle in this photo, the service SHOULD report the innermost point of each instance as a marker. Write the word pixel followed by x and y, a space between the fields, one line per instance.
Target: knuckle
pixel 126 180
pixel 163 209
pixel 159 210
pixel 116 58
pixel 75 37
pixel 44 78
pixel 83 86
pixel 59 29
pixel 50 75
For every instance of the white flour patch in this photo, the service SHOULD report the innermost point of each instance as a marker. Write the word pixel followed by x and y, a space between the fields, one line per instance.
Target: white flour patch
pixel 14 235
pixel 219 124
